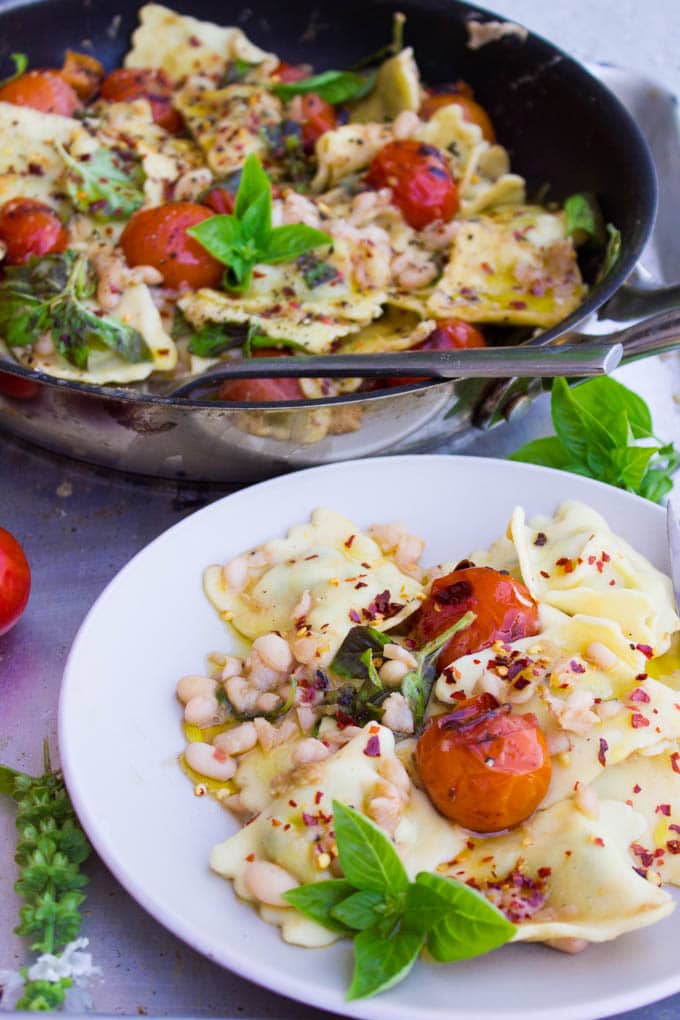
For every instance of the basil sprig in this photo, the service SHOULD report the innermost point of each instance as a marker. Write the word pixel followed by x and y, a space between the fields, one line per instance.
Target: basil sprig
pixel 20 61
pixel 247 238
pixel 604 431
pixel 333 86
pixel 390 918
pixel 46 295
pixel 583 218
pixel 108 184
pixel 416 686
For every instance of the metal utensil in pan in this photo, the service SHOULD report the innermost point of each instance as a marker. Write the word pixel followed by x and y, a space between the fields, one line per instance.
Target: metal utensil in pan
pixel 563 128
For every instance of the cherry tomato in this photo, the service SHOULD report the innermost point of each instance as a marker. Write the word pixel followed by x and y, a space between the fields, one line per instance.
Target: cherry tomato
pixel 316 116
pixel 484 766
pixel 158 237
pixel 15 581
pixel 128 83
pixel 221 201
pixel 505 611
pixel 248 391
pixel 42 90
pixel 83 73
pixel 287 73
pixel 18 387
pixel 29 227
pixel 459 94
pixel 449 335
pixel 420 179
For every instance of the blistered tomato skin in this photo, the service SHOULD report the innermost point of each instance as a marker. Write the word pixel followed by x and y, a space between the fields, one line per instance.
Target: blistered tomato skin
pixel 421 181
pixel 250 391
pixel 41 90
pixel 505 611
pixel 484 766
pixel 126 84
pixel 28 228
pixel 158 237
pixel 317 117
pixel 15 581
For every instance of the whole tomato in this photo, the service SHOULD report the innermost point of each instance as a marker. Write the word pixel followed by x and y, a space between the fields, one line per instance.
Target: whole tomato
pixel 420 179
pixel 484 766
pixel 316 116
pixel 28 228
pixel 449 335
pixel 250 391
pixel 46 91
pixel 15 581
pixel 126 84
pixel 158 237
pixel 460 95
pixel 505 611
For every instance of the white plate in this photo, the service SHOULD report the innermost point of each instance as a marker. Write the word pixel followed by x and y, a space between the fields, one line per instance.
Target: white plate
pixel 120 737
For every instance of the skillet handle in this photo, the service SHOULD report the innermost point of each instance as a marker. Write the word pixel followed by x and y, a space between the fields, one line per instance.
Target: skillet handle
pixel 632 301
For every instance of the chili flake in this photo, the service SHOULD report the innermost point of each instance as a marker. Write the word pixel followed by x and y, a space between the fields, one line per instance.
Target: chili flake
pixel 639 695
pixel 646 650
pixel 601 754
pixel 675 758
pixel 663 809
pixel 637 720
pixel 540 540
pixel 372 749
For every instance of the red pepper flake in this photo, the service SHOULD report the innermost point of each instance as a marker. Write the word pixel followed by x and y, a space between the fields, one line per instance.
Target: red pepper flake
pixel 521 683
pixel 675 758
pixel 605 557
pixel 350 540
pixel 372 749
pixel 250 858
pixel 519 305
pixel 540 540
pixel 598 841
pixel 219 754
pixel 293 803
pixel 591 560
pixel 354 616
pixel 360 584
pixel 673 827
pixel 566 564
pixel 663 809
pixel 576 667
pixel 276 822
pixel 486 267
pixel 639 695
pixel 318 796
pixel 601 754
pixel 641 677
pixel 477 661
pixel 637 788
pixel 314 556
pixel 286 827
pixel 638 720
pixel 544 573
pixel 544 872
pixel 646 650
pixel 612 583
pixel 309 819
pixel 673 846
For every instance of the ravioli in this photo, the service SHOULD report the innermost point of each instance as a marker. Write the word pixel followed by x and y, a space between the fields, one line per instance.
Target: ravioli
pixel 181 45
pixel 397 88
pixel 514 265
pixel 348 579
pixel 30 165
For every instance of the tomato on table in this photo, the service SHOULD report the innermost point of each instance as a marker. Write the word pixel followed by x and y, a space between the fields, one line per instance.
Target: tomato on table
pixel 83 73
pixel 29 227
pixel 483 765
pixel 504 608
pixel 15 581
pixel 158 237
pixel 422 185
pixel 46 91
pixel 460 94
pixel 449 335
pixel 249 391
pixel 126 84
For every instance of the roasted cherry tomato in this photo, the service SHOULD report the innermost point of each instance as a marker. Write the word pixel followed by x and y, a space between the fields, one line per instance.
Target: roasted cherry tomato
pixel 460 95
pixel 287 73
pixel 449 335
pixel 221 201
pixel 15 581
pixel 316 116
pixel 420 179
pixel 18 387
pixel 505 611
pixel 484 766
pixel 158 237
pixel 83 73
pixel 128 83
pixel 248 391
pixel 29 227
pixel 42 90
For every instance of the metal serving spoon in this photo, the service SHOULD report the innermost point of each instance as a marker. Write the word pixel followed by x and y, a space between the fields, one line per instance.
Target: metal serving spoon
pixel 577 360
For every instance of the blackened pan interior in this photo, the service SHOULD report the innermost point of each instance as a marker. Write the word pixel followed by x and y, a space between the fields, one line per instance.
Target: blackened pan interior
pixel 564 130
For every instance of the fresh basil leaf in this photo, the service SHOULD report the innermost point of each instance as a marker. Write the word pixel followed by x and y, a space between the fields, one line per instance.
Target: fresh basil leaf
pixel 22 318
pixel 333 86
pixel 460 922
pixel 374 684
pixel 20 61
pixel 612 252
pixel 214 339
pixel 8 777
pixel 360 910
pixel 367 857
pixel 317 900
pixel 631 462
pixel 584 219
pixel 256 223
pixel 348 661
pixel 287 149
pixel 316 271
pixel 220 235
pixel 237 71
pixel 260 342
pixel 108 184
pixel 287 243
pixel 606 399
pixel 656 484
pixel 380 963
pixel 579 431
pixel 416 687
pixel 253 184
pixel 547 451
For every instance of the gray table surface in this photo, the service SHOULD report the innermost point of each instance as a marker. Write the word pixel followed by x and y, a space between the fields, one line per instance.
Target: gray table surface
pixel 79 525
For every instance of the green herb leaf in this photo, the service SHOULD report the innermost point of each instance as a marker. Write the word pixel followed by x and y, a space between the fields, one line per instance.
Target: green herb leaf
pixel 257 342
pixel 237 71
pixel 579 431
pixel 20 61
pixel 459 921
pixel 606 399
pixel 390 50
pixel 253 184
pixel 584 219
pixel 380 963
pixel 214 339
pixel 348 661
pixel 289 242
pixel 374 684
pixel 8 779
pixel 107 185
pixel 612 252
pixel 360 910
pixel 367 857
pixel 316 271
pixel 333 86
pixel 416 687
pixel 547 451
pixel 317 900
